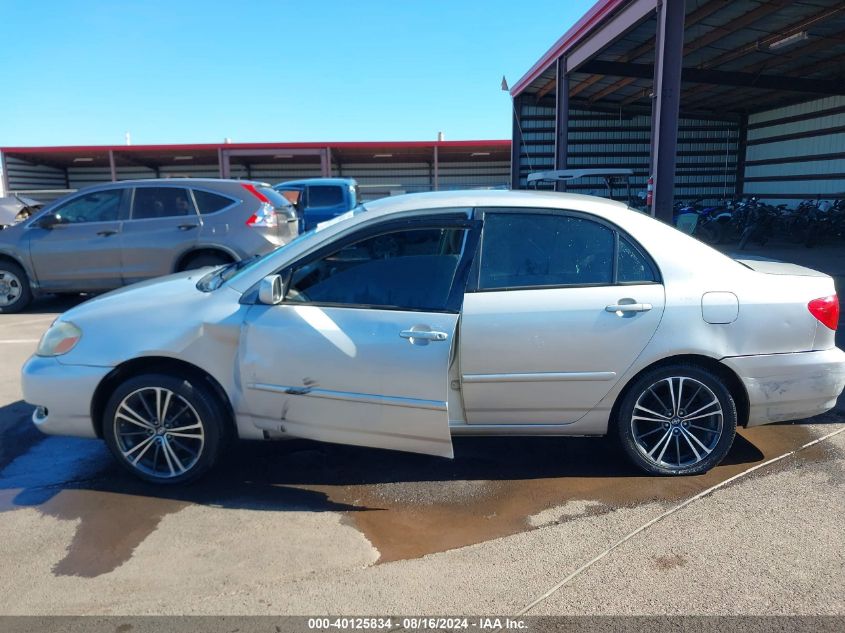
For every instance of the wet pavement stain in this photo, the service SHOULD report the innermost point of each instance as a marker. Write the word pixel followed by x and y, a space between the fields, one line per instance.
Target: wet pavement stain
pixel 111 527
pixel 406 505
pixel 425 517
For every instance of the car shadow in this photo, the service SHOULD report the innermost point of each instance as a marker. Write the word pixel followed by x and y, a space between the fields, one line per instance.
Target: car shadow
pixel 490 489
pixel 277 475
pixel 54 304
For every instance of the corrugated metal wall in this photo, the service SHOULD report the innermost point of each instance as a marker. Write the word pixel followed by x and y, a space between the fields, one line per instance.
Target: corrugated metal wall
pixel 35 180
pixel 376 180
pixel 707 150
pixel 797 152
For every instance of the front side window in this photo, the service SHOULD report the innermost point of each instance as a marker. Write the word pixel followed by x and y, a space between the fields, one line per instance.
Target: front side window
pixel 324 196
pixel 525 250
pixel 161 202
pixel 411 269
pixel 99 206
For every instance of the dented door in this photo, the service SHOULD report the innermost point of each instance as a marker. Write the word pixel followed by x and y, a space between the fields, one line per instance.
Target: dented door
pixel 350 375
pixel 358 352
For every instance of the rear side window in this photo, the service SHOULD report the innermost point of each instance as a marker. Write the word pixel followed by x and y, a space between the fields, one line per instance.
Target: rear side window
pixel 324 196
pixel 161 202
pixel 633 266
pixel 208 202
pixel 525 250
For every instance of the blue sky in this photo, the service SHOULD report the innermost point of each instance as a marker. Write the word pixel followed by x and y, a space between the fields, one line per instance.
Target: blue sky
pixel 198 71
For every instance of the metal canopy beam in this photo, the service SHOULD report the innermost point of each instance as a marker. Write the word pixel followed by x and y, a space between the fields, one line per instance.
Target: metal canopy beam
pixel 692 19
pixel 561 116
pixel 737 98
pixel 723 78
pixel 516 144
pixel 613 29
pixel 708 38
pixel 666 105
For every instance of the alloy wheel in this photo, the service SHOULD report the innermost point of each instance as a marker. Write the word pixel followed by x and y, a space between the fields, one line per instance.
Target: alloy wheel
pixel 677 422
pixel 158 432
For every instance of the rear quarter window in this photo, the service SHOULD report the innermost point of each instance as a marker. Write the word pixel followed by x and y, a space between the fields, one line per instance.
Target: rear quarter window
pixel 208 202
pixel 632 265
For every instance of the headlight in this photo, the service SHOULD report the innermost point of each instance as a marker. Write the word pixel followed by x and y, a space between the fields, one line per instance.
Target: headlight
pixel 59 339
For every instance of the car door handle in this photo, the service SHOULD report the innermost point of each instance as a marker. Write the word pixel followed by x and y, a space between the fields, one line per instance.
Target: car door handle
pixel 106 233
pixel 187 227
pixel 424 335
pixel 629 307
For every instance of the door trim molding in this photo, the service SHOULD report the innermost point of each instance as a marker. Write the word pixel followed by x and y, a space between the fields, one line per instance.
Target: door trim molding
pixel 541 377
pixel 349 396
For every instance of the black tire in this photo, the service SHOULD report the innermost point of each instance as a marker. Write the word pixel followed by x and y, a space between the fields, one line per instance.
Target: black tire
pixel 695 456
pixel 205 409
pixel 204 260
pixel 14 282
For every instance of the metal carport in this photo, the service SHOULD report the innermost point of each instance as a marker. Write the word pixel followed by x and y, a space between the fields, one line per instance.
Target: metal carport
pixel 680 90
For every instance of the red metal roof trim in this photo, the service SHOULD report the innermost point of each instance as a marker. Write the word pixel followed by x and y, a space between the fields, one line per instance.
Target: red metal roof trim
pixel 591 18
pixel 216 146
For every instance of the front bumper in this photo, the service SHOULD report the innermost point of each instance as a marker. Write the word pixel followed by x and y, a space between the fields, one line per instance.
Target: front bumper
pixel 63 395
pixel 794 386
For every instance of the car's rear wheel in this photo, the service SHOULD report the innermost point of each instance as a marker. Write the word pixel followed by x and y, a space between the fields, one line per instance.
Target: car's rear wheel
pixel 677 420
pixel 164 429
pixel 15 293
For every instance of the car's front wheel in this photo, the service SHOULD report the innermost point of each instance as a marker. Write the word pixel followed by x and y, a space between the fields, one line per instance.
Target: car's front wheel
pixel 15 293
pixel 164 429
pixel 677 420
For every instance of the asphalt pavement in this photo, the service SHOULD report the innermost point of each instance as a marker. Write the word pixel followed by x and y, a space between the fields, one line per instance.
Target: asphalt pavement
pixel 535 525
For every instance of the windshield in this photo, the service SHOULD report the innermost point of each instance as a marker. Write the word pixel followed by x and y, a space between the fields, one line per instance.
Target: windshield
pixel 219 276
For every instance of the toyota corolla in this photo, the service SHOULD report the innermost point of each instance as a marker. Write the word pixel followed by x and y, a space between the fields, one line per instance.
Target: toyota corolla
pixel 418 318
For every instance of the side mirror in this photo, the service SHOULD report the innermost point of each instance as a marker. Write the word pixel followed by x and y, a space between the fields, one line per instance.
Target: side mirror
pixel 271 290
pixel 48 221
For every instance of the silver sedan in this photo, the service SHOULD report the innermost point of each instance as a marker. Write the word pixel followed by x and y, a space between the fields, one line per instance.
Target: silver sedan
pixel 417 318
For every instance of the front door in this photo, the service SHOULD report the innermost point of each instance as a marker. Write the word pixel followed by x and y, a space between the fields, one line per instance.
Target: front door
pixel 163 225
pixel 81 251
pixel 359 350
pixel 564 305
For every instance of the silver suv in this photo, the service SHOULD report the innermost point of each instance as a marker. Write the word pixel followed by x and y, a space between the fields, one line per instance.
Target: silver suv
pixel 107 236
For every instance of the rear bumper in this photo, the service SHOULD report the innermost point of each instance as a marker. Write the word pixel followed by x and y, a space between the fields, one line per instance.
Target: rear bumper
pixel 785 387
pixel 62 394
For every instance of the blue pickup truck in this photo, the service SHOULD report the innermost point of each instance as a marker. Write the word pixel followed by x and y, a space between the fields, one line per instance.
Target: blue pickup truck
pixel 320 199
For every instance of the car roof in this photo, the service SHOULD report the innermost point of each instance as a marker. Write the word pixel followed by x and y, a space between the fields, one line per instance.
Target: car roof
pixel 495 198
pixel 320 181
pixel 176 182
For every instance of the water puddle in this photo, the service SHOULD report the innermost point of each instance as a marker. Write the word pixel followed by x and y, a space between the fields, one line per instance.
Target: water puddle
pixel 434 516
pixel 406 505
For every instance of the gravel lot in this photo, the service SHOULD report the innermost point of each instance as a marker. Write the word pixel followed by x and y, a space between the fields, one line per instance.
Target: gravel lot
pixel 544 526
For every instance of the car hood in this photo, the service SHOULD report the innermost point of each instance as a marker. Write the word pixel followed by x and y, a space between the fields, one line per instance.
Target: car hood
pixel 165 316
pixel 144 295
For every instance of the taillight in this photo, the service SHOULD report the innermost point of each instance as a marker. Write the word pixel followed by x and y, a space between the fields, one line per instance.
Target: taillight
pixel 265 217
pixel 826 310
pixel 256 193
